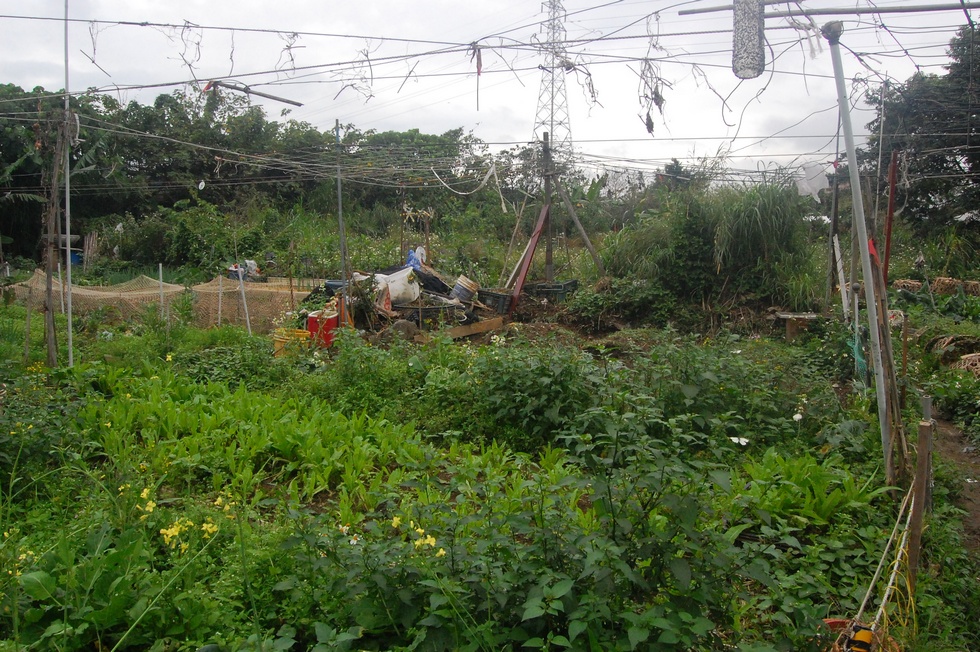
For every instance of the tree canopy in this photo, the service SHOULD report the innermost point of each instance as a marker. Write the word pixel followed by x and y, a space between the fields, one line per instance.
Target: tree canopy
pixel 932 121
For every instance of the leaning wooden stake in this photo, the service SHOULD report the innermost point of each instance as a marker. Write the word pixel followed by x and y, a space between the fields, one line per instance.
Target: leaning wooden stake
pixel 919 489
pixel 581 229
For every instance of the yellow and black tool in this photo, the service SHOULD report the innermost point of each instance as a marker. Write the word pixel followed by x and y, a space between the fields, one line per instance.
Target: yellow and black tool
pixel 860 640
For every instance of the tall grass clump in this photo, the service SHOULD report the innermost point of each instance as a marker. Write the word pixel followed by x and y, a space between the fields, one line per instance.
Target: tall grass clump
pixel 718 245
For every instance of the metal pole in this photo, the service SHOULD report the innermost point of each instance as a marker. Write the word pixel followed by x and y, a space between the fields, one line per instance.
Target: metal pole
pixel 241 287
pixel 549 265
pixel 832 32
pixel 71 355
pixel 345 291
pixel 958 6
pixel 911 9
pixel 160 276
pixel 890 216
pixel 61 287
pixel 833 255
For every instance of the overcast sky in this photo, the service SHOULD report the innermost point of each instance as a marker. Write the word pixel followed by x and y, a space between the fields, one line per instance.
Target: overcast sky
pixel 399 65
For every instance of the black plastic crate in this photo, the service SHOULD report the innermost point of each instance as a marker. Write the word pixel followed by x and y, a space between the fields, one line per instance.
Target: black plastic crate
pixel 499 302
pixel 433 317
pixel 557 292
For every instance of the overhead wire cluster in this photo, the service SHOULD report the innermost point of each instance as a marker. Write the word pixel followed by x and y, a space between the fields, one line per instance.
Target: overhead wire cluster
pixel 624 33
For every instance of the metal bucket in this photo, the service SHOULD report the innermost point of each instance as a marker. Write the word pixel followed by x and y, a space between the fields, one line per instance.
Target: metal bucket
pixel 465 289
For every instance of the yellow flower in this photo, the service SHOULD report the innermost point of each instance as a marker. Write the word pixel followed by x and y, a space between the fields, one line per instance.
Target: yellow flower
pixel 441 553
pixel 145 493
pixel 429 541
pixel 395 522
pixel 420 531
pixel 184 547
pixel 209 528
pixel 169 358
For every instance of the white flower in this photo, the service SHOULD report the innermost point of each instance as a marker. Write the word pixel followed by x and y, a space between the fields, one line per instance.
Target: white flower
pixel 737 351
pixel 797 417
pixel 741 441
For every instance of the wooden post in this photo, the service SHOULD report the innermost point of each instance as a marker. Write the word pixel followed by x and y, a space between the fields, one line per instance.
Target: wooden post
pixel 919 489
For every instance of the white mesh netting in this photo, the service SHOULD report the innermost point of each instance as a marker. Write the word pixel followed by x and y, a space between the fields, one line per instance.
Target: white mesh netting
pixel 219 301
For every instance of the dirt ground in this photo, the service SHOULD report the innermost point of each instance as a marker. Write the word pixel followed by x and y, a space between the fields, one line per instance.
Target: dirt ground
pixel 952 446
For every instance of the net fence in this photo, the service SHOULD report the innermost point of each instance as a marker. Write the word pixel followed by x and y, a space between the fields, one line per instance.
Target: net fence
pixel 219 301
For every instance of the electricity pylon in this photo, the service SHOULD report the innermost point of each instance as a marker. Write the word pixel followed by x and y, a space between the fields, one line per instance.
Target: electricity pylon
pixel 552 114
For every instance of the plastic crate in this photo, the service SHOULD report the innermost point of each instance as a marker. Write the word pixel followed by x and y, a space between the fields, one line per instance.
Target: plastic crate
pixel 499 302
pixel 432 317
pixel 556 292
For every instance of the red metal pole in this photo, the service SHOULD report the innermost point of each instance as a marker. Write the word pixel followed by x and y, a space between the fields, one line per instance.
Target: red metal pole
pixel 525 265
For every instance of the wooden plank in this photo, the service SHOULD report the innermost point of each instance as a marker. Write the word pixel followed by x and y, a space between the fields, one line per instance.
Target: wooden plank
pixel 478 327
pixel 797 315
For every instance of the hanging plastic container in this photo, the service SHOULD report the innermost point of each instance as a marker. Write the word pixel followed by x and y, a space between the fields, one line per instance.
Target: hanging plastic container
pixel 465 289
pixel 403 287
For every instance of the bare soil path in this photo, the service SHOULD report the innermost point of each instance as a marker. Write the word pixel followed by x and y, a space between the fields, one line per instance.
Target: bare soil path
pixel 952 446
